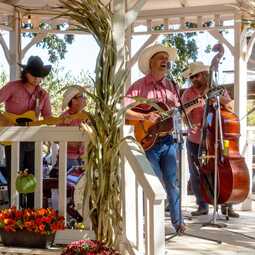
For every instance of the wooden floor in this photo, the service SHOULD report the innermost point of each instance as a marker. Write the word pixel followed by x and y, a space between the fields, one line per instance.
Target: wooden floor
pixel 237 237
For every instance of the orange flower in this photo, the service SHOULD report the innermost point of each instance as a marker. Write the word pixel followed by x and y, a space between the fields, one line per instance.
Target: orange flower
pixel 44 221
pixel 42 211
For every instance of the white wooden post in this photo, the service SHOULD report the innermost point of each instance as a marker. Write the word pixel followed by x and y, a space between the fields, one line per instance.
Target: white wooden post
pixel 62 178
pixel 15 157
pixel 129 206
pixel 38 197
pixel 15 47
pixel 240 90
pixel 240 87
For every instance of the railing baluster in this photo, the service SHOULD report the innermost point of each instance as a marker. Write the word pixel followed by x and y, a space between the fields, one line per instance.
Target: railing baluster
pixel 62 178
pixel 38 198
pixel 139 216
pixel 15 148
pixel 147 225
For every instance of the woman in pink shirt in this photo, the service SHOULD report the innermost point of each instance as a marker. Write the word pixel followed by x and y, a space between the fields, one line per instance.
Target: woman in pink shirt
pixel 74 102
pixel 19 97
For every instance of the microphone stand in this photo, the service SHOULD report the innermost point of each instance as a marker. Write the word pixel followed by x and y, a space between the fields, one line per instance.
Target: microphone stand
pixel 202 153
pixel 178 137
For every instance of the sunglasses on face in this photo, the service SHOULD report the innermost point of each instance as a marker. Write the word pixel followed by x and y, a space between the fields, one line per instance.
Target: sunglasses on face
pixel 78 96
pixel 194 76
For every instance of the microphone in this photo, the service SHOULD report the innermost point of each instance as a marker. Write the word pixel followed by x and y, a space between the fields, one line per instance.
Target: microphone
pixel 168 65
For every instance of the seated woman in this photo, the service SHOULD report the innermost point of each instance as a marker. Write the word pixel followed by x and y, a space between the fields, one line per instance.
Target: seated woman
pixel 74 102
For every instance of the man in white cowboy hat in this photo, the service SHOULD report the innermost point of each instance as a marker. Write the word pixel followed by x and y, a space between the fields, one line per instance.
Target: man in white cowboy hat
pixel 74 102
pixel 153 62
pixel 25 95
pixel 198 74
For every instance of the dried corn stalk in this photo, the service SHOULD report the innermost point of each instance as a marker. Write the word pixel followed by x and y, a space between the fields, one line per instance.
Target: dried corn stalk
pixel 102 156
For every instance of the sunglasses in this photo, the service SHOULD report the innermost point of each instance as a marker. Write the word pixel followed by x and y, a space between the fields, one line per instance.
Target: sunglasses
pixel 194 76
pixel 78 96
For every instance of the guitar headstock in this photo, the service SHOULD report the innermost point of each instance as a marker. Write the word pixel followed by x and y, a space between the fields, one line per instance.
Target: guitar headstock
pixel 216 91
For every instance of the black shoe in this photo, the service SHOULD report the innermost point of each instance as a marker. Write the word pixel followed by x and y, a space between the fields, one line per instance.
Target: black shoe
pixel 231 212
pixel 180 229
pixel 200 211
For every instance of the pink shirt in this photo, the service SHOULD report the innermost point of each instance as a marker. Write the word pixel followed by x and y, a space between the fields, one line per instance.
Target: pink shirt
pixel 196 115
pixel 19 100
pixel 74 149
pixel 148 87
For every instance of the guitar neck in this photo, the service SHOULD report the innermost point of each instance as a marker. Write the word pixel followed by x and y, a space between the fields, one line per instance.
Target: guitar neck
pixel 60 120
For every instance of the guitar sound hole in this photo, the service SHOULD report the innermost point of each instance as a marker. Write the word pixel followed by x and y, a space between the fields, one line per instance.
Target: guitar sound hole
pixel 23 121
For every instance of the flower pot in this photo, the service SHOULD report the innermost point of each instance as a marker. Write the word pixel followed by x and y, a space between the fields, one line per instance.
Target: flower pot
pixel 27 239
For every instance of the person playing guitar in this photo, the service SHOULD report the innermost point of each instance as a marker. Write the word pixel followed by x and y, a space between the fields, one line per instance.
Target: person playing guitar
pixel 198 74
pixel 19 97
pixel 153 62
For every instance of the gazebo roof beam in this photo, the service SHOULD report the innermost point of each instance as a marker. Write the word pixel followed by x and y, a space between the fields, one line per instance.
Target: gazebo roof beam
pixel 6 9
pixel 186 11
pixel 181 30
pixel 184 3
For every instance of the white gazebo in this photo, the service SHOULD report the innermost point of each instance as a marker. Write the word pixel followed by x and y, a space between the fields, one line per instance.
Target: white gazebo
pixel 141 236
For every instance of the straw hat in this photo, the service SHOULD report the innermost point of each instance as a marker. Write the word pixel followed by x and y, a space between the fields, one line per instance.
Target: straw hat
pixel 36 67
pixel 147 53
pixel 71 92
pixel 194 68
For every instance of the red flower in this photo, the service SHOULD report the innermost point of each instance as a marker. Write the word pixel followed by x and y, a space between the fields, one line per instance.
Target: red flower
pixel 88 247
pixel 44 221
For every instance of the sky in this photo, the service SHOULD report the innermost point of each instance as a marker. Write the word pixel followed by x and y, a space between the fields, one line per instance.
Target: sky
pixel 83 52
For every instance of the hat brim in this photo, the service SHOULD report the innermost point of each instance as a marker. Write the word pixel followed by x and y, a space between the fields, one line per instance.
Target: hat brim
pixel 188 73
pixel 145 56
pixel 37 72
pixel 70 93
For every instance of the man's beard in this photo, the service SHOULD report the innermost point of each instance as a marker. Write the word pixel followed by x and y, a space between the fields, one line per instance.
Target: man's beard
pixel 200 84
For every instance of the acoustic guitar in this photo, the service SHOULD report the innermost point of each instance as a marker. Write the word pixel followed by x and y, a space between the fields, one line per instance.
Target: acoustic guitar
pixel 29 119
pixel 147 132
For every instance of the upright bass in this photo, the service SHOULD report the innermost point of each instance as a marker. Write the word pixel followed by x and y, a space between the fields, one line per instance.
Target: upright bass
pixel 233 177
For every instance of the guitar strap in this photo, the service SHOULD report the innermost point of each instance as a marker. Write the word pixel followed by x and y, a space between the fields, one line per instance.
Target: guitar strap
pixel 38 95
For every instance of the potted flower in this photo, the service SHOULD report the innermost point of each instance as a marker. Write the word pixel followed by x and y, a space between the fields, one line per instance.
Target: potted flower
pixel 88 247
pixel 33 228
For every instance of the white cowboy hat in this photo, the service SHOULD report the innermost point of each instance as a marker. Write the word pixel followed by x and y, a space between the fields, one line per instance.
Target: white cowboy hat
pixel 194 68
pixel 71 92
pixel 147 53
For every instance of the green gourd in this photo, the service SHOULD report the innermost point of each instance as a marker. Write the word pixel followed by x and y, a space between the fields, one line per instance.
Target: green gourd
pixel 25 182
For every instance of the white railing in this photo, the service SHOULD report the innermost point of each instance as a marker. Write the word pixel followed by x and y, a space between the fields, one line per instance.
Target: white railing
pixel 143 206
pixel 38 135
pixel 143 196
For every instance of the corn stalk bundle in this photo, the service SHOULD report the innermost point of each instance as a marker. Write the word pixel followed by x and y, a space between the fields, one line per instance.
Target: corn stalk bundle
pixel 102 188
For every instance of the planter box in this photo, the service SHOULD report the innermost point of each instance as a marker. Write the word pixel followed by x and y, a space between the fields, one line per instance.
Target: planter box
pixel 27 239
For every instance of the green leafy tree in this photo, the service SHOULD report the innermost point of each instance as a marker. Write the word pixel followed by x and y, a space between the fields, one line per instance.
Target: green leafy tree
pixel 56 46
pixel 186 46
pixel 251 116
pixel 56 83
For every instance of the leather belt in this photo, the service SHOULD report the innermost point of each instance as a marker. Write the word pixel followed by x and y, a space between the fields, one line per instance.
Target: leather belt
pixel 162 134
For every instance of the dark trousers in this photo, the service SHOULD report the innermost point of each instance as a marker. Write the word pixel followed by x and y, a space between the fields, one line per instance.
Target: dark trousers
pixel 192 151
pixel 27 158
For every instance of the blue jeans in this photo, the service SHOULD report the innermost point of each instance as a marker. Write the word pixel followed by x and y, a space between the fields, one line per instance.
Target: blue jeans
pixel 192 150
pixel 162 157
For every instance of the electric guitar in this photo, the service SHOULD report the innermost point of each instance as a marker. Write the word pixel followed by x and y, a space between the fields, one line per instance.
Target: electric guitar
pixel 147 132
